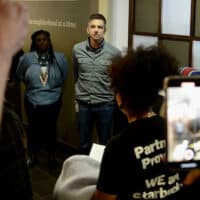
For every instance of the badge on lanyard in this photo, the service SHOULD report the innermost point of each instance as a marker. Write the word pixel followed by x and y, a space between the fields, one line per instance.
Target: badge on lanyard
pixel 43 70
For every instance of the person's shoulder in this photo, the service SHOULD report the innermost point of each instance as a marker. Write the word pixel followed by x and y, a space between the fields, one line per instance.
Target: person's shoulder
pixel 31 53
pixel 28 55
pixel 120 138
pixel 60 57
pixel 114 145
pixel 59 54
pixel 80 45
pixel 111 48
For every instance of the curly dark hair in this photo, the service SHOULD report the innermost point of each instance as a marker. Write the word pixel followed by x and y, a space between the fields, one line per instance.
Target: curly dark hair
pixel 139 75
pixel 34 46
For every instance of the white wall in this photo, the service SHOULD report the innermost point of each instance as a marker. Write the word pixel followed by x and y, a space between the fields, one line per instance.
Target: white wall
pixel 104 8
pixel 116 12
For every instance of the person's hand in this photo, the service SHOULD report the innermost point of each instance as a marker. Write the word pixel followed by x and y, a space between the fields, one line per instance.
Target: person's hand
pixel 191 177
pixel 13 27
pixel 13 30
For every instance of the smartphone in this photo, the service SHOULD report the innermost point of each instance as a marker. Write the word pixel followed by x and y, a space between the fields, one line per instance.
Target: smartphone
pixel 183 121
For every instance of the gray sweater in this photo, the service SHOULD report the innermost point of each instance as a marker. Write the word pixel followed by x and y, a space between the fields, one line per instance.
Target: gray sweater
pixel 92 84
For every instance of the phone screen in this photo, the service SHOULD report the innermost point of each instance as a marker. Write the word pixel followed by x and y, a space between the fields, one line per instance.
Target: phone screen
pixel 183 123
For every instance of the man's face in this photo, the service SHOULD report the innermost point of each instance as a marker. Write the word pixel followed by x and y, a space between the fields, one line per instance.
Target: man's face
pixel 96 29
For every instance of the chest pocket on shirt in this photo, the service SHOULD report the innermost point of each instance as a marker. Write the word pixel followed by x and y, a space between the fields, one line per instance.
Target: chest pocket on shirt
pixel 83 61
pixel 84 65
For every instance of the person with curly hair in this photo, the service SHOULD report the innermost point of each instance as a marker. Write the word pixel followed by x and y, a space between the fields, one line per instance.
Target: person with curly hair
pixel 133 165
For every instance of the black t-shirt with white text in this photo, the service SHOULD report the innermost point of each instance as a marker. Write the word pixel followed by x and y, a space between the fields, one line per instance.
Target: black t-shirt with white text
pixel 133 166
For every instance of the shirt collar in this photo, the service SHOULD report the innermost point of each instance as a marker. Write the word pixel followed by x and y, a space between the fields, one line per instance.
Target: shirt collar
pixel 89 48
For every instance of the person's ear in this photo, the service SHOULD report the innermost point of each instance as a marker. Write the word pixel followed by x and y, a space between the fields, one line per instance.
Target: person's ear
pixel 120 104
pixel 87 30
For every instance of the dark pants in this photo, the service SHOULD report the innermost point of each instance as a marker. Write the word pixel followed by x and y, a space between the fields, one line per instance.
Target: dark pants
pixel 42 125
pixel 102 115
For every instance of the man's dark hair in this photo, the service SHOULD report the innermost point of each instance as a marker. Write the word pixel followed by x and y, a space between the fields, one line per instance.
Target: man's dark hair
pixel 34 45
pixel 97 16
pixel 139 75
